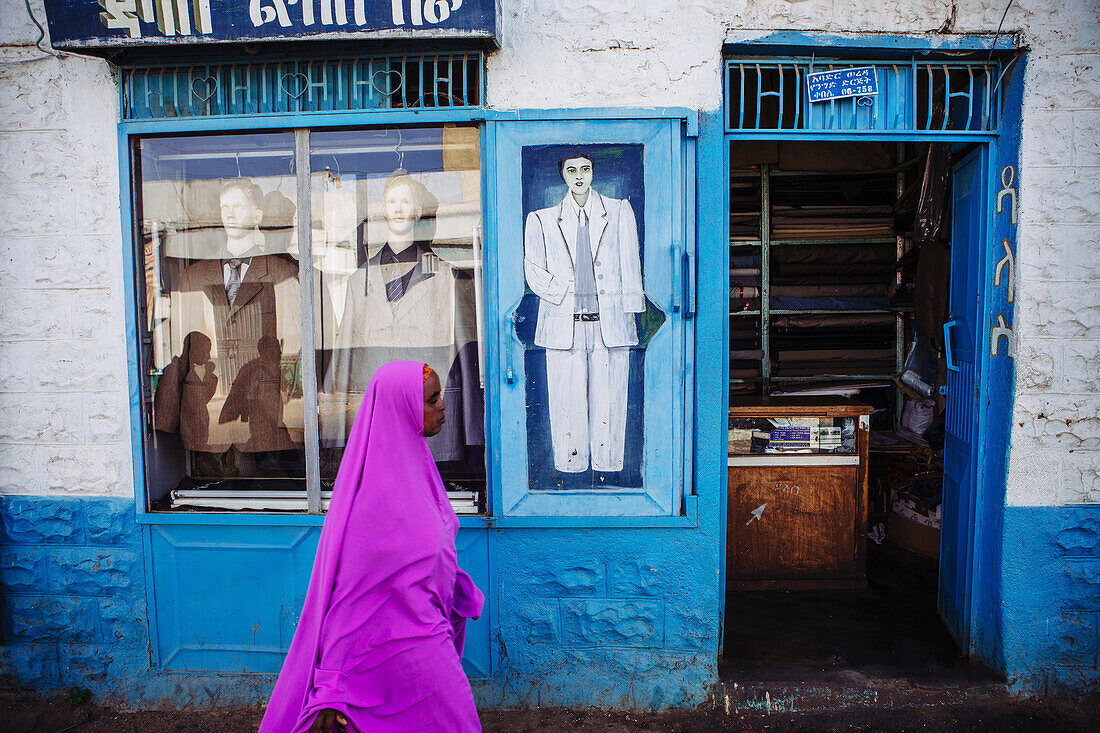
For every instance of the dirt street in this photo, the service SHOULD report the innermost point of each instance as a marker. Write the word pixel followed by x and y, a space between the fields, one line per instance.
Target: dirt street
pixel 20 713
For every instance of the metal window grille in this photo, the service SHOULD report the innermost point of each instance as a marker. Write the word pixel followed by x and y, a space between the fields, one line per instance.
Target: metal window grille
pixel 912 96
pixel 417 81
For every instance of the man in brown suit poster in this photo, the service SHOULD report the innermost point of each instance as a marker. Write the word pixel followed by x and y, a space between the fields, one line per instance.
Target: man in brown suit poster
pixel 246 305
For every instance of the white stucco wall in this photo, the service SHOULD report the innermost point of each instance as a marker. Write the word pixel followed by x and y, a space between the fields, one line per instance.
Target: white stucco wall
pixel 63 377
pixel 64 425
pixel 1055 455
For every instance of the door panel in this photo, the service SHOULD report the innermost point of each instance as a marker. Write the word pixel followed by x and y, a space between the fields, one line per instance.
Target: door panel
pixel 205 624
pixel 959 471
pixel 592 316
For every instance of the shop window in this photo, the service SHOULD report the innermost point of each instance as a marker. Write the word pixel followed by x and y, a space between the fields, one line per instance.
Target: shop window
pixel 393 222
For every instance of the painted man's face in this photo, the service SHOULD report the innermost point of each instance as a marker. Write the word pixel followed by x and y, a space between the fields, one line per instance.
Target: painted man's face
pixel 239 215
pixel 577 174
pixel 400 209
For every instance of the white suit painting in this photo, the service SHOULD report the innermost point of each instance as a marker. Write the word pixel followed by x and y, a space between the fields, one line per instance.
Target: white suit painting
pixel 582 259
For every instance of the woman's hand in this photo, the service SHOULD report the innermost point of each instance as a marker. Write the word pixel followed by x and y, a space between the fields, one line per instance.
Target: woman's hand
pixel 326 719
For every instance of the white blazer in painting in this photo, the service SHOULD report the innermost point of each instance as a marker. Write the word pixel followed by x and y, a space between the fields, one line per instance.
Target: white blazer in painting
pixel 549 254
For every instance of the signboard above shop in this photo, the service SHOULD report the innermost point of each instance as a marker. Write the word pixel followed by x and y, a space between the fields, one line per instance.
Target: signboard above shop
pixel 91 24
pixel 842 83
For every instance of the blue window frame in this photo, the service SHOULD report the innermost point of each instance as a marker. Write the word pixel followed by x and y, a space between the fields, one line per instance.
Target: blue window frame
pixel 651 152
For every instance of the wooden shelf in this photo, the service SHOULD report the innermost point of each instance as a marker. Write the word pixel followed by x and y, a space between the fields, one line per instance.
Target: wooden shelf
pixel 828 241
pixel 815 406
pixel 798 211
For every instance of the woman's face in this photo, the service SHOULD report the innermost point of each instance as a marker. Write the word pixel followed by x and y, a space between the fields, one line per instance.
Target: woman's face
pixel 400 209
pixel 433 406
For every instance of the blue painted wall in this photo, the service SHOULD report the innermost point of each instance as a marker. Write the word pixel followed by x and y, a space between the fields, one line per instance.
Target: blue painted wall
pixel 73 612
pixel 73 581
pixel 624 618
pixel 210 627
pixel 1051 599
pixel 593 617
pixel 609 617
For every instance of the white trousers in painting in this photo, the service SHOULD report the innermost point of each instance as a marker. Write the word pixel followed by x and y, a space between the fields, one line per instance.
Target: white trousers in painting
pixel 587 390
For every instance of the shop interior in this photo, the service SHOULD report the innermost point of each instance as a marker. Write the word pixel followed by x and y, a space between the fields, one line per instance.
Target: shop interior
pixel 840 260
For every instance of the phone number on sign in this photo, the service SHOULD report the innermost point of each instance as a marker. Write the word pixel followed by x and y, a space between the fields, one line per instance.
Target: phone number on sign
pixel 849 91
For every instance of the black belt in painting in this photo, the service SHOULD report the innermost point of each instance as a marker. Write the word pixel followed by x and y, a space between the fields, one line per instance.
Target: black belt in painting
pixel 586 316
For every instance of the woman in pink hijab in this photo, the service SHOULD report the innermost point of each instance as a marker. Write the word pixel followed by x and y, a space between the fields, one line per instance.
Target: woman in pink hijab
pixel 378 645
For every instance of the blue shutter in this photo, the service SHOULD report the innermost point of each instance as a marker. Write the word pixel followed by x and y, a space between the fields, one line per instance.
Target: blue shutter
pixel 330 84
pixel 641 162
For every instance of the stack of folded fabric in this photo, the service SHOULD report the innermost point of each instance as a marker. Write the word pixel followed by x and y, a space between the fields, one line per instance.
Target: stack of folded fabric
pixel 832 222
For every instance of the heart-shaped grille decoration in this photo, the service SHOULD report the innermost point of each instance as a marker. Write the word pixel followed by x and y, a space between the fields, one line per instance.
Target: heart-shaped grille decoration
pixel 389 75
pixel 300 82
pixel 204 88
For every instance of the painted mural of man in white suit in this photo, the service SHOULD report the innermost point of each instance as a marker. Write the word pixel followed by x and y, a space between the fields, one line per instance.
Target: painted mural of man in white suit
pixel 582 259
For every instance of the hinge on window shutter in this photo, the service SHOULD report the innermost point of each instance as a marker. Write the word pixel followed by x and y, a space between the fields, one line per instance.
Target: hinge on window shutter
pixel 691 125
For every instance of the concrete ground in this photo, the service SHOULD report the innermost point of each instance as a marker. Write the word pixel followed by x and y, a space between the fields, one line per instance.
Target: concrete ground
pixel 21 713
pixel 816 651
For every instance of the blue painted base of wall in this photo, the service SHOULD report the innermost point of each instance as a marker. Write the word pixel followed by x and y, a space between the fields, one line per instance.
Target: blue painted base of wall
pixel 576 617
pixel 615 618
pixel 74 593
pixel 1051 595
pixel 73 612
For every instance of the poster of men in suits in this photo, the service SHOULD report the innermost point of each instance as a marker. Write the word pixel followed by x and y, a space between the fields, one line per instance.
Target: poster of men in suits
pixel 230 392
pixel 585 317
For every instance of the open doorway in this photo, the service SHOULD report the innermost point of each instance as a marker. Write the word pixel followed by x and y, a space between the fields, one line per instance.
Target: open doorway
pixel 853 294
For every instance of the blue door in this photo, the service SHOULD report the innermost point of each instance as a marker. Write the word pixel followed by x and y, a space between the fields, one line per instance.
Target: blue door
pixel 961 334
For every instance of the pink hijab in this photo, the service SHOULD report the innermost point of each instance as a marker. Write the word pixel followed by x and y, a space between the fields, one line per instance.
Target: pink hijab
pixel 380 635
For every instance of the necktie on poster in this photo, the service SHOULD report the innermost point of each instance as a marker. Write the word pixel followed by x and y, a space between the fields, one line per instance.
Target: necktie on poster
pixel 234 282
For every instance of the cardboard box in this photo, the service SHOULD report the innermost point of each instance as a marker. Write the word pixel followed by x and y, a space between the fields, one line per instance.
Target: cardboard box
pixel 913 536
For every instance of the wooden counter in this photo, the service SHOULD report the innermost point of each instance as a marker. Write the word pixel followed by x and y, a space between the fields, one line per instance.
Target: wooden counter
pixel 798 520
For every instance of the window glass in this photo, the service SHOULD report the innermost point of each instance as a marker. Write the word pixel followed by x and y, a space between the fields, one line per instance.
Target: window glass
pixel 396 222
pixel 222 347
pixel 395 230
